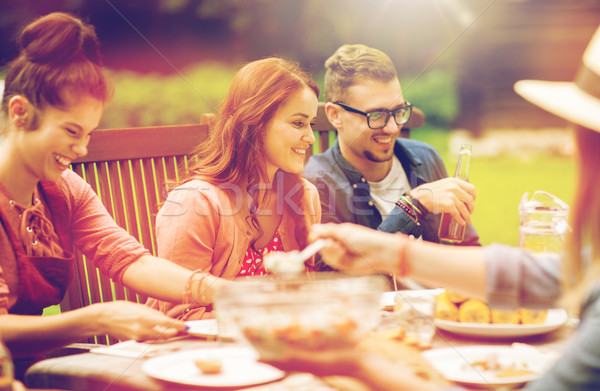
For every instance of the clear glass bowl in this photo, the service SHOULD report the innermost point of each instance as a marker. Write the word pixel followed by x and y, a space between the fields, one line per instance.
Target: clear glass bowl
pixel 310 312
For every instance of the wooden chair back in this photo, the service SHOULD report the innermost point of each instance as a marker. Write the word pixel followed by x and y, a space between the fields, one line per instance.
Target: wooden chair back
pixel 128 169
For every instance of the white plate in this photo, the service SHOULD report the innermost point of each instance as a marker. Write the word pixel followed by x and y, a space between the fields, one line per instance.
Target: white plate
pixel 203 328
pixel 239 368
pixel 455 364
pixel 555 319
pixel 388 299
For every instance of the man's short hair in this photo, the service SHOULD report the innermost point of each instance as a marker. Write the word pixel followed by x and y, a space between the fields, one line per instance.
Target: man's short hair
pixel 353 62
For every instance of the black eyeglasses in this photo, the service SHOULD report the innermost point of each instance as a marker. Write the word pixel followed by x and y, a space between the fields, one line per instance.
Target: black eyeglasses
pixel 377 119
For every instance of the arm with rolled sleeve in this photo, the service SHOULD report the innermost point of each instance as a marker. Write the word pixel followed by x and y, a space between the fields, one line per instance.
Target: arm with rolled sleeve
pixel 95 233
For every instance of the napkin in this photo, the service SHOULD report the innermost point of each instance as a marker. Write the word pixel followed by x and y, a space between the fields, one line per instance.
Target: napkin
pixel 135 349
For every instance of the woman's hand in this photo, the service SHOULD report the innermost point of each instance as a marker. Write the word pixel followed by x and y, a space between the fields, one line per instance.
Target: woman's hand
pixel 379 373
pixel 127 320
pixel 343 362
pixel 357 249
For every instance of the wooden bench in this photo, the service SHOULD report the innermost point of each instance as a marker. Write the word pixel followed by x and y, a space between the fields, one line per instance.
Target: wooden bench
pixel 128 169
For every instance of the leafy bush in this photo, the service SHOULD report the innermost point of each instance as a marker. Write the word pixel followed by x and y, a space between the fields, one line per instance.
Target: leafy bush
pixel 435 92
pixel 152 99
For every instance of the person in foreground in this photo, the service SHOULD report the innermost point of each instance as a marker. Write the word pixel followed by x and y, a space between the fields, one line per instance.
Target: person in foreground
pixel 54 95
pixel 499 274
pixel 370 176
pixel 243 196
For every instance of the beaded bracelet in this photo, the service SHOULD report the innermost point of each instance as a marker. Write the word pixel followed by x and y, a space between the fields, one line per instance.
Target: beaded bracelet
pixel 417 205
pixel 406 207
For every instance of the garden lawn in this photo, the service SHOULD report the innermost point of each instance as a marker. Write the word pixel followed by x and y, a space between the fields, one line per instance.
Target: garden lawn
pixel 501 181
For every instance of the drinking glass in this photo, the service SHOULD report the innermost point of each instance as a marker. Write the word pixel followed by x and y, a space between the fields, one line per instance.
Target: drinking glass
pixel 415 312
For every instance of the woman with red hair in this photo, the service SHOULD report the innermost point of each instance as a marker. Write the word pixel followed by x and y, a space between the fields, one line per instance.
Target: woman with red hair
pixel 243 195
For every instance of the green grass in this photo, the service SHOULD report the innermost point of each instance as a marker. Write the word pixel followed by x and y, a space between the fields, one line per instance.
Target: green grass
pixel 501 181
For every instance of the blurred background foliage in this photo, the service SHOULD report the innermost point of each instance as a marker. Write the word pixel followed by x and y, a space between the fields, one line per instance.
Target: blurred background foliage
pixel 173 60
pixel 436 94
pixel 457 59
pixel 154 99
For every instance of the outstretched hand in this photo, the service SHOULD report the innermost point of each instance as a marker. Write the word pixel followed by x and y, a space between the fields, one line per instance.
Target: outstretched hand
pixel 377 372
pixel 127 320
pixel 321 363
pixel 357 249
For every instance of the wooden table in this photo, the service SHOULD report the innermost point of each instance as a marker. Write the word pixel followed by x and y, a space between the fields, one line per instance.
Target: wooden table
pixel 93 371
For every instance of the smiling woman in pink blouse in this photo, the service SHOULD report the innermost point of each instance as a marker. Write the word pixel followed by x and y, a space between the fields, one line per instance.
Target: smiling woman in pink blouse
pixel 243 196
pixel 54 96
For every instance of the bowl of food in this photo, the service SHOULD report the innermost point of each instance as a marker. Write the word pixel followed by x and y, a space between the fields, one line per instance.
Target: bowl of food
pixel 278 313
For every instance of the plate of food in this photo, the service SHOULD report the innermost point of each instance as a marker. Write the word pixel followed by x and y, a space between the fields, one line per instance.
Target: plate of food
pixel 489 366
pixel 555 318
pixel 473 317
pixel 212 367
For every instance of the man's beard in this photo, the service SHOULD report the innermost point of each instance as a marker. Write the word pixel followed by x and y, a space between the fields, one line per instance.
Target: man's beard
pixel 375 159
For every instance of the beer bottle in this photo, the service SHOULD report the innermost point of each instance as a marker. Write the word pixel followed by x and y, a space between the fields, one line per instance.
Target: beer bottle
pixel 450 231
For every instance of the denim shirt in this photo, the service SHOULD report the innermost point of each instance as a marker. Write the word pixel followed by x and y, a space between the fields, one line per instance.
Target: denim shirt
pixel 345 194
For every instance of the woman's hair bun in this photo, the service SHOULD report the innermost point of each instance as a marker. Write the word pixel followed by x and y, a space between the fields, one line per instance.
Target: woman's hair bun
pixel 59 38
pixel 58 62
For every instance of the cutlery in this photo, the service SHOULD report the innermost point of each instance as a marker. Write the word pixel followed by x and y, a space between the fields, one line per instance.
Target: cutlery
pixel 292 261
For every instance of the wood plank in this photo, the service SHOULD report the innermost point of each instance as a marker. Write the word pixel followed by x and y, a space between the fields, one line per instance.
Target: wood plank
pixel 134 143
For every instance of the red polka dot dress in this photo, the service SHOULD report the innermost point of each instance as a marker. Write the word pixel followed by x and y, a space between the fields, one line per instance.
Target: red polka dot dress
pixel 254 258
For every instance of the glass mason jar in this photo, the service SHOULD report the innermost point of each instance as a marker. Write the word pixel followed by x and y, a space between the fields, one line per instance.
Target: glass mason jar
pixel 544 223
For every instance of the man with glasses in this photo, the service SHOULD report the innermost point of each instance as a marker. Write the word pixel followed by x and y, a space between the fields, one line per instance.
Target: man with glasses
pixel 370 176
